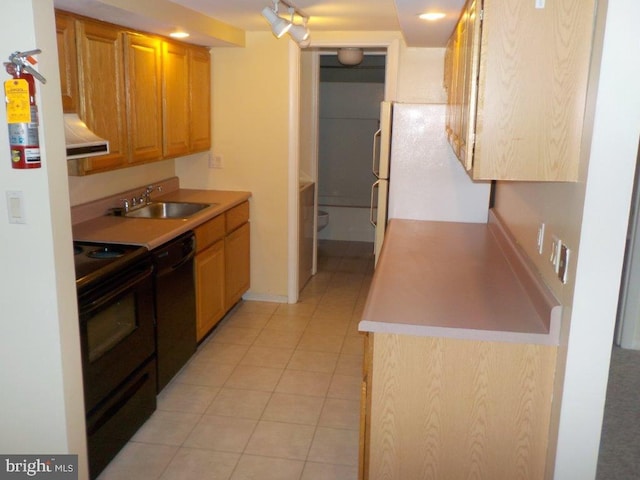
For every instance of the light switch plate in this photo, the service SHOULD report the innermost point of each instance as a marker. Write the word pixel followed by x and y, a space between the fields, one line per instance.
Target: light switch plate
pixel 15 207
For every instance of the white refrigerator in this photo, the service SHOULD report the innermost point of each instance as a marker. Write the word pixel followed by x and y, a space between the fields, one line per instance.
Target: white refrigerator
pixel 418 174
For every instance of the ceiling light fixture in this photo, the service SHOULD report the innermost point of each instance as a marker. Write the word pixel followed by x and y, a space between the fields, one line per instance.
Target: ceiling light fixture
pixel 350 56
pixel 280 26
pixel 432 16
pixel 179 34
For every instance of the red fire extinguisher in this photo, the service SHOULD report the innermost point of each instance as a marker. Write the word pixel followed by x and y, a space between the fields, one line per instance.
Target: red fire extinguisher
pixel 22 111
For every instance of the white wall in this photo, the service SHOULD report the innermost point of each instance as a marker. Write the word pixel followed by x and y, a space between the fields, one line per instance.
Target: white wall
pixel 251 132
pixel 42 397
pixel 591 217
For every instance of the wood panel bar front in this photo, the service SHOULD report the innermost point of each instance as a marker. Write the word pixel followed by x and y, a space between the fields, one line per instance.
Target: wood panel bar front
pixel 445 408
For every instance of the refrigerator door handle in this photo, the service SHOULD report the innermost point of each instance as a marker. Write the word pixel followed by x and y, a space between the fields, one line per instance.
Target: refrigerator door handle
pixel 372 218
pixel 375 167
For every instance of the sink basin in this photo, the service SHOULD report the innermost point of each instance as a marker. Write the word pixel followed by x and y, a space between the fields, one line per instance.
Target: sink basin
pixel 168 210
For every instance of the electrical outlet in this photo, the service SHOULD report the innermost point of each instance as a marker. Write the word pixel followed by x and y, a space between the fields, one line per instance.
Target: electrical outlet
pixel 563 263
pixel 215 161
pixel 556 247
pixel 540 238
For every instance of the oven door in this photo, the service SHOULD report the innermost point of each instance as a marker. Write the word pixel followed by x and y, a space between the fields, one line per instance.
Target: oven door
pixel 116 329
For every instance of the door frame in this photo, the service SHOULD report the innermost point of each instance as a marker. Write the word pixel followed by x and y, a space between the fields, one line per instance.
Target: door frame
pixel 320 46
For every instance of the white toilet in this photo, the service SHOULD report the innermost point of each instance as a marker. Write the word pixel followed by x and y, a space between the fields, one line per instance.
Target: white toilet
pixel 323 219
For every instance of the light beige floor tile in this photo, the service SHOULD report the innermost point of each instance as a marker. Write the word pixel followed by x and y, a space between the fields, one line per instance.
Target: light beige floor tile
pixel 315 342
pixel 340 311
pixel 232 402
pixel 291 323
pixel 345 386
pixel 289 408
pixel 224 434
pixel 235 335
pixel 282 440
pixel 328 326
pixel 250 306
pixel 209 374
pixel 306 383
pixel 278 338
pixel 296 309
pixel 249 377
pixel 349 365
pixel 325 471
pixel 220 353
pixel 267 356
pixel 354 345
pixel 313 361
pixel 340 413
pixel 140 461
pixel 183 397
pixel 252 467
pixel 352 328
pixel 335 446
pixel 249 319
pixel 166 428
pixel 198 464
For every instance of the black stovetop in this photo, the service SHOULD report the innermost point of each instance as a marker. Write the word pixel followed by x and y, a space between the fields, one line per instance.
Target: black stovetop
pixel 94 261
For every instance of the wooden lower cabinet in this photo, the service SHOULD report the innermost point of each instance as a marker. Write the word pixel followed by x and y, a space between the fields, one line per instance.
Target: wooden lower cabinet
pixel 236 250
pixel 209 271
pixel 222 266
pixel 441 408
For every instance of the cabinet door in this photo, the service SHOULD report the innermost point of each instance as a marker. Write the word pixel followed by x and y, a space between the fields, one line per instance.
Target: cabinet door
pixel 102 92
pixel 175 89
pixel 237 270
pixel 143 63
pixel 67 61
pixel 470 58
pixel 532 89
pixel 200 99
pixel 210 279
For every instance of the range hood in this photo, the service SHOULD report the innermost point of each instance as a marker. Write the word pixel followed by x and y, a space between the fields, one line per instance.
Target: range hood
pixel 82 142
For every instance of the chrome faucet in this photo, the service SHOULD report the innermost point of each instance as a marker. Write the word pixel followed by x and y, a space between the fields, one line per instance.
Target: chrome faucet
pixel 148 190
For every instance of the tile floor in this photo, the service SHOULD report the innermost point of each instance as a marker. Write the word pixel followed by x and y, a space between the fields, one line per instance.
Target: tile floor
pixel 272 393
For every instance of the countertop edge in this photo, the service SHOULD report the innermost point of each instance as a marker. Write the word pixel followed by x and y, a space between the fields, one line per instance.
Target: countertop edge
pixel 547 308
pixel 151 233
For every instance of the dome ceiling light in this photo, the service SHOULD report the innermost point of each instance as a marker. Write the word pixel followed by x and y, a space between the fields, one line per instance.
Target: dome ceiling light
pixel 350 56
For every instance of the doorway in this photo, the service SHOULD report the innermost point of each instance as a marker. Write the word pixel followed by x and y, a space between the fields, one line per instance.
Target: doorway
pixel 339 115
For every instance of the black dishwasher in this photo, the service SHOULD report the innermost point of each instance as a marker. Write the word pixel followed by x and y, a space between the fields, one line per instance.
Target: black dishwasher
pixel 175 306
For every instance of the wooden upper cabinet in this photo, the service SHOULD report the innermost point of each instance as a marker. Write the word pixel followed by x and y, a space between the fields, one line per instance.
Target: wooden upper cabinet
pixel 67 61
pixel 143 73
pixel 175 90
pixel 102 90
pixel 149 96
pixel 524 88
pixel 200 99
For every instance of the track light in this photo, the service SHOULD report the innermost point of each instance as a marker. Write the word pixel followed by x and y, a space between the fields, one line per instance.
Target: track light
pixel 279 25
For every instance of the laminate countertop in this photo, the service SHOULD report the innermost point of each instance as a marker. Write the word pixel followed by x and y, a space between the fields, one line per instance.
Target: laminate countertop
pixel 458 280
pixel 92 224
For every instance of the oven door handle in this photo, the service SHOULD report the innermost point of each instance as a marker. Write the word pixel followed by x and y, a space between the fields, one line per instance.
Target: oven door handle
pixel 102 300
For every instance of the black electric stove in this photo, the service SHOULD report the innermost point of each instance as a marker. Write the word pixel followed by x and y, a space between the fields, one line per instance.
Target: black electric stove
pixel 95 261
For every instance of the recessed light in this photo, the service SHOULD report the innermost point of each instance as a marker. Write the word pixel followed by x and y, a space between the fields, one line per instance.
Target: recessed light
pixel 432 16
pixel 179 35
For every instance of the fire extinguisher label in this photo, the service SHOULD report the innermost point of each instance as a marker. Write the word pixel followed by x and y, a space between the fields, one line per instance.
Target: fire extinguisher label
pixel 17 97
pixel 32 155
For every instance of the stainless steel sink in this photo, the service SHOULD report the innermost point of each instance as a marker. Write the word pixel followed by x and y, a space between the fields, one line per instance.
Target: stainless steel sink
pixel 168 210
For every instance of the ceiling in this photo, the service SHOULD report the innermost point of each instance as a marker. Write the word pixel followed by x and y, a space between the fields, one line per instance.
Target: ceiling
pixel 245 15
